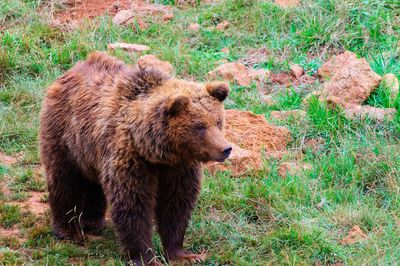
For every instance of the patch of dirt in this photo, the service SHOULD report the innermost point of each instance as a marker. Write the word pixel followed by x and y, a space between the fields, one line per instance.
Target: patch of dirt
pixel 8 160
pixel 287 3
pixel 292 168
pixel 12 232
pixel 79 9
pixel 281 81
pixel 250 134
pixel 355 235
pixel 253 132
pixel 34 204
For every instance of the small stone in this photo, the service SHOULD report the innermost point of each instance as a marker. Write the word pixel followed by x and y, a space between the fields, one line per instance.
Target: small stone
pixel 129 47
pixel 287 3
pixel 194 27
pixel 116 5
pixel 222 61
pixel 326 70
pixel 122 17
pixel 225 50
pixel 355 235
pixel 239 162
pixel 290 168
pixel 140 23
pixel 321 204
pixel 391 82
pixel 297 71
pixel 257 73
pixel 234 71
pixel 167 17
pixel 364 111
pixel 223 25
pixel 151 61
pixel 268 101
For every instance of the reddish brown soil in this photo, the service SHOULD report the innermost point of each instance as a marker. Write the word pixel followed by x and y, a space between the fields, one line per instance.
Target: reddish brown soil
pixel 8 159
pixel 80 9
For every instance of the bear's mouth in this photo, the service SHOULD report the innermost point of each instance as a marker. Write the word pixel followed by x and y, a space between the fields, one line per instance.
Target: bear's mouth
pixel 220 160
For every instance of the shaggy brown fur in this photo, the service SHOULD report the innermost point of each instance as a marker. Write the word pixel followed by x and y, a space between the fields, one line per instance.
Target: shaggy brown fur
pixel 134 138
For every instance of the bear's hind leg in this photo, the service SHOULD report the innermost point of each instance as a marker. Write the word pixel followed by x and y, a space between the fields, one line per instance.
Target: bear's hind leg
pixel 94 208
pixel 64 182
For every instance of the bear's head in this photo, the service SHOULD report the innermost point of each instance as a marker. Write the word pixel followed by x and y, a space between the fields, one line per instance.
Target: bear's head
pixel 195 118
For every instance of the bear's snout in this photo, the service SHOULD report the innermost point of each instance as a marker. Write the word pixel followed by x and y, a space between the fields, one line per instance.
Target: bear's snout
pixel 227 151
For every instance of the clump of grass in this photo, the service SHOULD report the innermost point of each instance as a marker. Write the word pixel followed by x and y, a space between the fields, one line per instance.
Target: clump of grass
pixel 10 215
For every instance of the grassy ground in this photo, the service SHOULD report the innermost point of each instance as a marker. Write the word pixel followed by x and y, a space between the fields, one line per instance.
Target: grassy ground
pixel 260 219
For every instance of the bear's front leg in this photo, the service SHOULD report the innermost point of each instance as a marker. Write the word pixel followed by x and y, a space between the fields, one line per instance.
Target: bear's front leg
pixel 131 193
pixel 177 195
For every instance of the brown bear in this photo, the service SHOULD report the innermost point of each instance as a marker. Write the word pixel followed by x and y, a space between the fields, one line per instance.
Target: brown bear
pixel 134 138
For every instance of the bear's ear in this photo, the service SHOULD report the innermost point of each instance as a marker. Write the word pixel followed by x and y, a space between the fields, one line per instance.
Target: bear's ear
pixel 218 90
pixel 177 104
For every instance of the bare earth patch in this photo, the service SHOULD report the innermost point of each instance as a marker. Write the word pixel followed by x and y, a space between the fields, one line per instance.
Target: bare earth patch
pixel 80 9
pixel 12 232
pixel 33 204
pixel 8 160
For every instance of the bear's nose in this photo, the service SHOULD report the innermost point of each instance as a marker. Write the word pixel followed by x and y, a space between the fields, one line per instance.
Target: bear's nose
pixel 227 151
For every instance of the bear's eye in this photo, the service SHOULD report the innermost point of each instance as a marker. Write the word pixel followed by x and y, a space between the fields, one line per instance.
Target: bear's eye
pixel 219 124
pixel 201 128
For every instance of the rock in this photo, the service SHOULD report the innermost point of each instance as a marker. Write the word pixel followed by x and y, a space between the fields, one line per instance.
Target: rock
pixel 150 60
pixel 312 95
pixel 391 82
pixel 253 132
pixel 355 235
pixel 328 69
pixel 234 71
pixel 352 82
pixel 123 17
pixel 225 50
pixel 257 73
pixel 321 204
pixel 223 25
pixel 239 162
pixel 222 61
pixel 250 134
pixel 140 23
pixel 129 47
pixel 268 101
pixel 291 168
pixel 116 5
pixel 284 115
pixel 297 71
pixel 167 17
pixel 194 27
pixel 364 111
pixel 287 3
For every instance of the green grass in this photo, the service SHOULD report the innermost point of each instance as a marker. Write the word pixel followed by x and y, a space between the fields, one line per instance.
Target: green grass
pixel 259 219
